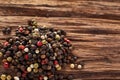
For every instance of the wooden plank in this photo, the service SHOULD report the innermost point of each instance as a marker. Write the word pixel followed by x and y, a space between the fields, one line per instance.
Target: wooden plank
pixel 92 26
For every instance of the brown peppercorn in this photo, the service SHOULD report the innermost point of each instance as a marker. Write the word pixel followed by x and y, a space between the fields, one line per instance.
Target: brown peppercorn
pixel 49 67
pixel 43 56
pixel 49 39
pixel 19 74
pixel 4 60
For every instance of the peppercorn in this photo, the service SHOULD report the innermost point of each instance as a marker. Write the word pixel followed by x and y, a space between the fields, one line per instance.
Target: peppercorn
pixel 9 77
pixel 29 69
pixel 59 68
pixel 18 54
pixel 57 37
pixel 45 78
pixel 6 43
pixel 32 66
pixel 26 57
pixel 26 50
pixel 20 29
pixel 22 47
pixel 39 43
pixel 40 78
pixel 6 65
pixel 16 78
pixel 49 39
pixel 6 30
pixel 36 65
pixel 72 66
pixel 79 66
pixel 37 51
pixel 43 56
pixel 70 77
pixel 67 40
pixel 32 23
pixel 3 77
pixel 42 37
pixel 35 70
pixel 9 59
pixel 44 41
pixel 19 74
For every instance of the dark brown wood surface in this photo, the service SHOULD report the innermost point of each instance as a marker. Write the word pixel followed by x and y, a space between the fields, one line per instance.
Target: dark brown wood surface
pixel 93 26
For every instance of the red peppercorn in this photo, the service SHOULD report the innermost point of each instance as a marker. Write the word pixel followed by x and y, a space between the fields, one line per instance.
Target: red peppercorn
pixel 43 62
pixel 40 78
pixel 39 43
pixel 6 65
pixel 6 43
pixel 20 29
pixel 55 62
pixel 67 40
pixel 26 57
pixel 22 47
pixel 24 74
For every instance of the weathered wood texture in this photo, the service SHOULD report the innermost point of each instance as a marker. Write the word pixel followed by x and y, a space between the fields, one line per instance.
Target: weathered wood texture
pixel 93 26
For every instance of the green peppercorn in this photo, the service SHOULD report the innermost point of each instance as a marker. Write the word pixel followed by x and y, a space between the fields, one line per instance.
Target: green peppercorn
pixel 3 77
pixel 35 70
pixel 44 42
pixel 9 59
pixel 9 77
pixel 36 65
pixel 57 37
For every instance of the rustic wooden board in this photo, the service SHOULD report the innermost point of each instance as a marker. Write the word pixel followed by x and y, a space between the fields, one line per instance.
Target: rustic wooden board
pixel 93 26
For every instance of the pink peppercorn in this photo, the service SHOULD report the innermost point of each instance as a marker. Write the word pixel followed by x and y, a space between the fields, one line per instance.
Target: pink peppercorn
pixel 39 43
pixel 6 65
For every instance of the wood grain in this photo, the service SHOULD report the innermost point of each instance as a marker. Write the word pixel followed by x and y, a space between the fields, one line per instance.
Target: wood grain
pixel 93 26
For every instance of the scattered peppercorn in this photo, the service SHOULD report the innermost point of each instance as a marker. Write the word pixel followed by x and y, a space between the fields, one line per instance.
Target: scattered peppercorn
pixel 6 30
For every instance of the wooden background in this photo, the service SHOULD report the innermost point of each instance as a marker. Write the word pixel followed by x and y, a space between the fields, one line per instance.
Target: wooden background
pixel 93 26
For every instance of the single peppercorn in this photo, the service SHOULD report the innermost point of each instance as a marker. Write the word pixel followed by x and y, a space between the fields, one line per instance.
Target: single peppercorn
pixel 9 77
pixel 3 77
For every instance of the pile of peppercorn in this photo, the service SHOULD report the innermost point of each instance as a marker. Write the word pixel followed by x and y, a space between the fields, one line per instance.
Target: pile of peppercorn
pixel 36 53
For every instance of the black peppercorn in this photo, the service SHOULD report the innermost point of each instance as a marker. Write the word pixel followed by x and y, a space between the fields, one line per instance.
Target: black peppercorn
pixel 6 30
